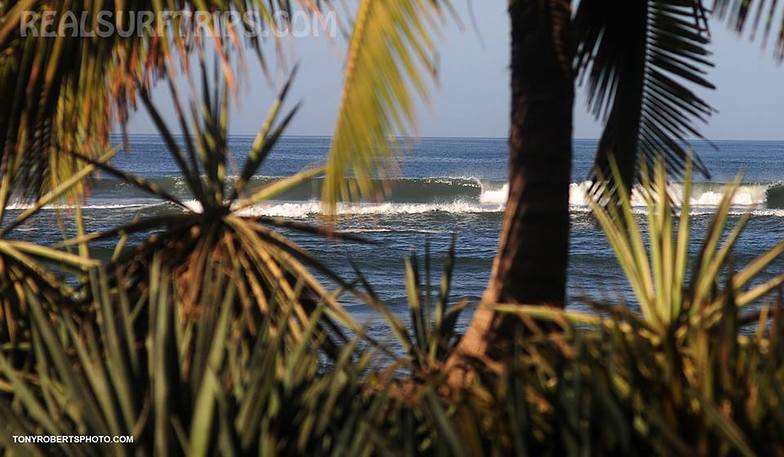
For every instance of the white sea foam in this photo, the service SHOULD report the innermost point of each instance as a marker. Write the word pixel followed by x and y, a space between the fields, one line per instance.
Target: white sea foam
pixel 497 195
pixel 750 195
pixel 304 209
pixel 388 230
pixel 701 196
pixel 24 206
pixel 705 197
pixel 491 199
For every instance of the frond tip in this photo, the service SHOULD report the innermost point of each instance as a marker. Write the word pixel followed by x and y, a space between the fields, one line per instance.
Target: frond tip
pixel 761 18
pixel 390 46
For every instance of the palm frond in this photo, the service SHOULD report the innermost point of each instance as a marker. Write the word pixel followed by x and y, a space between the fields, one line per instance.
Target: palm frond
pixel 642 61
pixel 760 18
pixel 390 46
pixel 66 93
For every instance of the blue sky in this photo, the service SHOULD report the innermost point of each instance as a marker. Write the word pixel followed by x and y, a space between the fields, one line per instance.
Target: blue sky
pixel 471 96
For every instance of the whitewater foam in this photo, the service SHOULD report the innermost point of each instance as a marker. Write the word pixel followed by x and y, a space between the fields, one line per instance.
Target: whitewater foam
pixel 24 206
pixel 464 195
pixel 707 194
pixel 304 209
pixel 497 196
pixel 493 196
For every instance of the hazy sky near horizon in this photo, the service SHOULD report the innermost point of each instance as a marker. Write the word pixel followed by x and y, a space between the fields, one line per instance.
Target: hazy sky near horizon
pixel 471 97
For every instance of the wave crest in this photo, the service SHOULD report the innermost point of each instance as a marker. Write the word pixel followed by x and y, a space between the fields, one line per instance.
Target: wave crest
pixel 428 195
pixel 703 195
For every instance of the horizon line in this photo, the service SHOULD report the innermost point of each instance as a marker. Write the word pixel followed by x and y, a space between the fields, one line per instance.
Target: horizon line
pixel 475 137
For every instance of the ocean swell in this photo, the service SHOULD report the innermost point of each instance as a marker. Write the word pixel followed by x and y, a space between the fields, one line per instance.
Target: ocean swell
pixel 423 195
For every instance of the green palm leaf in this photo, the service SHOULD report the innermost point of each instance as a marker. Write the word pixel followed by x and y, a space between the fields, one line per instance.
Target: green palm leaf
pixel 642 60
pixel 753 15
pixel 65 94
pixel 390 46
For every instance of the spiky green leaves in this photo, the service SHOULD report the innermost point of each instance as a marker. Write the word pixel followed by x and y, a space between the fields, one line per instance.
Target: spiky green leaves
pixel 183 386
pixel 656 266
pixel 23 264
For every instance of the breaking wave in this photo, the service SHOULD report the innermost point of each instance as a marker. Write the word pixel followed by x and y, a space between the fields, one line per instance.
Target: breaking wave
pixel 422 195
pixel 440 190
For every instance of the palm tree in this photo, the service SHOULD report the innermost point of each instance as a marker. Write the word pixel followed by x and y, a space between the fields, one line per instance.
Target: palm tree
pixel 65 93
pixel 531 263
pixel 640 61
pixel 64 90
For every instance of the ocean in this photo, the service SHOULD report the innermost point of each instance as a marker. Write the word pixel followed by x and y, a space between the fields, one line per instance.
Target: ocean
pixel 444 186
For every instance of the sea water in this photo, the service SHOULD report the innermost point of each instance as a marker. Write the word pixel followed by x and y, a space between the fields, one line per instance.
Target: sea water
pixel 442 187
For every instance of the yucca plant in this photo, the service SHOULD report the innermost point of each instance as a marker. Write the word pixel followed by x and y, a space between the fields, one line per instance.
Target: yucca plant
pixel 670 294
pixel 424 341
pixel 187 386
pixel 603 388
pixel 667 292
pixel 215 232
pixel 26 266
pixel 681 374
pixel 202 386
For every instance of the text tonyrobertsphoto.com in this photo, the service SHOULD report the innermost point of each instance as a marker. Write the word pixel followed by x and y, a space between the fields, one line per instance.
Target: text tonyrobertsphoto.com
pixel 72 439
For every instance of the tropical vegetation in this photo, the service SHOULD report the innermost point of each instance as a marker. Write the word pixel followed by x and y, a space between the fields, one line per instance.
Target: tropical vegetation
pixel 209 332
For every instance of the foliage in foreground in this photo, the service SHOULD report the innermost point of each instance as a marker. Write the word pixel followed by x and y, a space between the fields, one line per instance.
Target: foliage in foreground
pixel 697 371
pixel 213 337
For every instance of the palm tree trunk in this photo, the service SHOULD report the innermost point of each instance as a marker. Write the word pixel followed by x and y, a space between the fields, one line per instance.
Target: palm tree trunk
pixel 530 267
